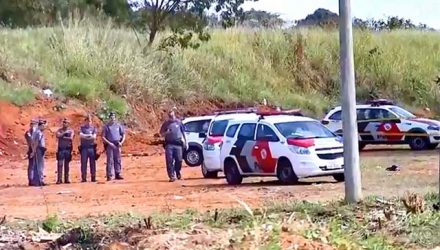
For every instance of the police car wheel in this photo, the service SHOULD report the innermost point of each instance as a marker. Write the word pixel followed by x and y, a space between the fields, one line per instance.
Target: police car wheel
pixel 207 174
pixel 339 177
pixel 362 146
pixel 418 143
pixel 193 157
pixel 232 174
pixel 285 172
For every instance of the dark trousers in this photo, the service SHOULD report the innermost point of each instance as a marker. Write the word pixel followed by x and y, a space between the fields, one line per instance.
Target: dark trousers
pixel 31 170
pixel 64 156
pixel 173 156
pixel 88 154
pixel 38 168
pixel 113 161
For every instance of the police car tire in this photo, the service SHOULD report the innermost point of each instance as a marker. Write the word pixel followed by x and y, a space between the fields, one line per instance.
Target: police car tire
pixel 285 172
pixel 339 177
pixel 418 143
pixel 362 146
pixel 193 150
pixel 207 174
pixel 232 174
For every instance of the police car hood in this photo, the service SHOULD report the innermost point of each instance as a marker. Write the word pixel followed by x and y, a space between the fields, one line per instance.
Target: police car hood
pixel 328 143
pixel 426 122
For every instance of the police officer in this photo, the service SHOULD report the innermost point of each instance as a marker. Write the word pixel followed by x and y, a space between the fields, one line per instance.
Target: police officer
pixel 38 152
pixel 64 153
pixel 113 135
pixel 175 142
pixel 87 149
pixel 28 136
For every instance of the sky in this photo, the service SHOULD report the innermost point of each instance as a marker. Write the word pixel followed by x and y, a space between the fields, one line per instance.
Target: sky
pixel 419 11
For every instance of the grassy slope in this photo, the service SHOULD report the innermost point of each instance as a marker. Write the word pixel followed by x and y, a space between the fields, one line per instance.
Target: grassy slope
pixel 89 60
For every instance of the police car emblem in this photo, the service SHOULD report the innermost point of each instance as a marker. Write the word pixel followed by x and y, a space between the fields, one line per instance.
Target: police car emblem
pixel 387 127
pixel 263 154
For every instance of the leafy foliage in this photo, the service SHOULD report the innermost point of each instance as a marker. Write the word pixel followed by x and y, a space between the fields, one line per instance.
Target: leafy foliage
pixel 159 14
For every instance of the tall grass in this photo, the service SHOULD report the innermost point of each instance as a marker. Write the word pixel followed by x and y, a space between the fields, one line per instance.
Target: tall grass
pixel 94 60
pixel 18 95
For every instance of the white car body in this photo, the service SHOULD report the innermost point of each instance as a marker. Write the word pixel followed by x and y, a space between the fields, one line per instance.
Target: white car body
pixel 214 140
pixel 195 127
pixel 388 124
pixel 258 147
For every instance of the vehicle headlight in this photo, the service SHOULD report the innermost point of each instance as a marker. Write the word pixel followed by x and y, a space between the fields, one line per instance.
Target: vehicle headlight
pixel 299 150
pixel 209 146
pixel 436 128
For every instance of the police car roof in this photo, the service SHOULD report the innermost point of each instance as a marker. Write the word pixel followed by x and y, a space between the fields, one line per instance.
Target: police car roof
pixel 337 108
pixel 234 116
pixel 273 119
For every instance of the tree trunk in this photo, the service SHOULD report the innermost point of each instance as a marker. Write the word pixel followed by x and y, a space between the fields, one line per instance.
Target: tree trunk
pixel 153 33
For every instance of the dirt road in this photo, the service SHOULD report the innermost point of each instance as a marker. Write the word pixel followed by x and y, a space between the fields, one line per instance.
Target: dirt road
pixel 146 188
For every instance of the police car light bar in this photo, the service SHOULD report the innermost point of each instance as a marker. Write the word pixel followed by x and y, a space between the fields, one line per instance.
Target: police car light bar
pixel 294 112
pixel 379 102
pixel 236 111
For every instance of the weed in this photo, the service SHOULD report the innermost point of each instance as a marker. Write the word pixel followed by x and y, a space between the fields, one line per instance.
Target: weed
pixel 19 95
pixel 51 224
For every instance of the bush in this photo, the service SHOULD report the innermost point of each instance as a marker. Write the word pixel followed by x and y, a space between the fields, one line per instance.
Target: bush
pixel 17 95
pixel 82 89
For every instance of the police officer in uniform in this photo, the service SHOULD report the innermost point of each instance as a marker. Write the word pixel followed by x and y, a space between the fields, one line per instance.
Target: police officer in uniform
pixel 87 149
pixel 175 143
pixel 113 135
pixel 28 136
pixel 64 153
pixel 38 152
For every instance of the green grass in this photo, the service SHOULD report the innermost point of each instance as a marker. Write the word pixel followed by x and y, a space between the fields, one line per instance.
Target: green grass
pixel 337 224
pixel 92 60
pixel 18 95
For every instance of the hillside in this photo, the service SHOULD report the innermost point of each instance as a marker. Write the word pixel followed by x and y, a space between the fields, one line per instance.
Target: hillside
pixel 94 62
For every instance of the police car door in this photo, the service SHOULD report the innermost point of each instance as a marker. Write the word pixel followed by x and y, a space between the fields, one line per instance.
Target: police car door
pixel 243 146
pixel 267 141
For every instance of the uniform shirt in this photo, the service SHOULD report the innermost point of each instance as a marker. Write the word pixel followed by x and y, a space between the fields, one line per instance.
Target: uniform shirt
pixel 87 130
pixel 63 142
pixel 39 139
pixel 113 132
pixel 28 136
pixel 176 130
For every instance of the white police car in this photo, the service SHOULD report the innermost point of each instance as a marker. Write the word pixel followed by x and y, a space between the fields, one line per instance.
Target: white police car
pixel 277 144
pixel 195 129
pixel 382 122
pixel 211 165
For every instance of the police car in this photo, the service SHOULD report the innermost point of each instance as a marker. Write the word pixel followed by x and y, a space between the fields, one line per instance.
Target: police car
pixel 195 128
pixel 288 146
pixel 211 164
pixel 382 122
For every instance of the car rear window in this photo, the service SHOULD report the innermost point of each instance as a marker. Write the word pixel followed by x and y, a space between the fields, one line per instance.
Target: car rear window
pixel 218 128
pixel 197 126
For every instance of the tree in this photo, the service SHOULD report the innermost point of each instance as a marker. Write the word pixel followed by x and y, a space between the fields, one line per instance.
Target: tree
pixel 259 18
pixel 156 13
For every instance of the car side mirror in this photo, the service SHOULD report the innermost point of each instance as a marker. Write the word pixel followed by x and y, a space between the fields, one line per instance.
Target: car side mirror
pixel 202 135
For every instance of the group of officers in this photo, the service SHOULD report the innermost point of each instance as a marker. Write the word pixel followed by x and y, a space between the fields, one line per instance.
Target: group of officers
pixel 113 136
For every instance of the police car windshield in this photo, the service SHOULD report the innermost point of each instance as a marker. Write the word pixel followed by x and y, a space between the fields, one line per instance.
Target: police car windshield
pixel 402 113
pixel 304 129
pixel 218 128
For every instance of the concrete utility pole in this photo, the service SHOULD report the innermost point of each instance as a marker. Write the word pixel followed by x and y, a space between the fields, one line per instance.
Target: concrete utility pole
pixel 353 185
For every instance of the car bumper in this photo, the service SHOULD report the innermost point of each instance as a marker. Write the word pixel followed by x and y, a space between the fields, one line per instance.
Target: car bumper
pixel 313 166
pixel 211 160
pixel 434 137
